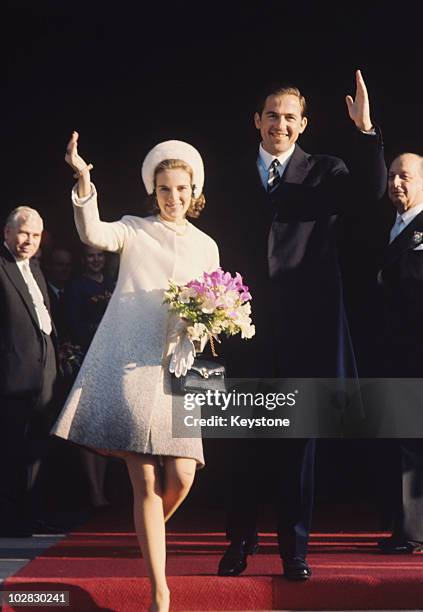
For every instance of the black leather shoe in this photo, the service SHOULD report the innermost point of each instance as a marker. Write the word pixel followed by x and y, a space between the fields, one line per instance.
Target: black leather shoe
pixel 234 561
pixel 296 568
pixel 391 546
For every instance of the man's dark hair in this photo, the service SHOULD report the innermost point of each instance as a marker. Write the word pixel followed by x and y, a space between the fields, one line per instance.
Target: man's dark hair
pixel 281 89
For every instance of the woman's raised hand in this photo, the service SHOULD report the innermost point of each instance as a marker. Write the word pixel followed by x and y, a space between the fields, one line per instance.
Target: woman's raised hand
pixel 82 169
pixel 72 156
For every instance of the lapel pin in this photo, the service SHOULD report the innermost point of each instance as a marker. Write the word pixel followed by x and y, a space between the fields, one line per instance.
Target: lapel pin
pixel 417 238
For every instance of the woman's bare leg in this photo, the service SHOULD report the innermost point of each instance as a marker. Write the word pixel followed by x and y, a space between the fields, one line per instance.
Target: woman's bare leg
pixel 149 525
pixel 179 475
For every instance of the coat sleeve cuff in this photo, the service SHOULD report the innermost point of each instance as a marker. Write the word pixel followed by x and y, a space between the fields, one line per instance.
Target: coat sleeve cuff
pixel 77 201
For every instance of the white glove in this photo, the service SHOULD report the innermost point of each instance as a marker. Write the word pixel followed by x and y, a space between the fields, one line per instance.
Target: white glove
pixel 182 356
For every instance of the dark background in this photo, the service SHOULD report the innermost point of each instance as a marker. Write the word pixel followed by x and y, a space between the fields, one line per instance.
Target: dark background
pixel 128 75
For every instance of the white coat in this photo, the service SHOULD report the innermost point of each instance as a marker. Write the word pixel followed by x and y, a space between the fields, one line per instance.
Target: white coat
pixel 121 398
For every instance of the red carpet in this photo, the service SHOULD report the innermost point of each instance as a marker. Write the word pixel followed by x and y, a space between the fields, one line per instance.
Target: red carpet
pixel 103 571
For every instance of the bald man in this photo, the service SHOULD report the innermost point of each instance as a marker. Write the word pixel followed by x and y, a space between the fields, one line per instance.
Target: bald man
pixel 27 370
pixel 401 280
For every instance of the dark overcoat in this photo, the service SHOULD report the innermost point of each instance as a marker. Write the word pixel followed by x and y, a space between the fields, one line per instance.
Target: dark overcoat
pixel 285 247
pixel 22 350
pixel 401 283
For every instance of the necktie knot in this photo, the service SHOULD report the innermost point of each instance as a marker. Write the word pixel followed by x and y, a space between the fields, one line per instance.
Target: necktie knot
pixel 274 177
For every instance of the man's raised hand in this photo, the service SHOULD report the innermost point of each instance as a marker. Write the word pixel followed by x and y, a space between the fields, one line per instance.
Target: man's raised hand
pixel 359 108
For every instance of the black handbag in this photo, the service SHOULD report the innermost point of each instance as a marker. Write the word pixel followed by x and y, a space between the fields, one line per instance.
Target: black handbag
pixel 205 374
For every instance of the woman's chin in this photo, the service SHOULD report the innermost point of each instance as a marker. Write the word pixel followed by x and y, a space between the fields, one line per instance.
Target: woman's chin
pixel 173 216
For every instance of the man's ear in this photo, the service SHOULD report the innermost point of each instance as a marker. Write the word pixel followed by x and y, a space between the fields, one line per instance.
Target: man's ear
pixel 257 121
pixel 304 122
pixel 6 232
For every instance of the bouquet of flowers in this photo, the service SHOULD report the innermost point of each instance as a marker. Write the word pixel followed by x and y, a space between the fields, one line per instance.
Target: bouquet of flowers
pixel 217 303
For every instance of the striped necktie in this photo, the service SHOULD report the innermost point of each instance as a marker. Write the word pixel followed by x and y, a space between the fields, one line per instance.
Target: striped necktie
pixel 274 177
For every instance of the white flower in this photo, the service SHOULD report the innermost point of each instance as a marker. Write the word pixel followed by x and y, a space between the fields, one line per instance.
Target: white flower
pixel 197 331
pixel 247 331
pixel 228 300
pixel 246 308
pixel 186 294
pixel 208 306
pixel 241 318
pixel 217 327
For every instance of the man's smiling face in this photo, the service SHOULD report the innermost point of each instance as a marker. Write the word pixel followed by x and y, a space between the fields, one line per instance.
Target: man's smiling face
pixel 280 123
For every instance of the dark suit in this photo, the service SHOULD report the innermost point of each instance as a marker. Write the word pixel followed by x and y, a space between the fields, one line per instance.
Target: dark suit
pixel 27 381
pixel 401 282
pixel 284 246
pixel 58 313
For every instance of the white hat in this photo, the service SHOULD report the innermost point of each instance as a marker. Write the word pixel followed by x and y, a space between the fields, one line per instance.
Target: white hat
pixel 173 149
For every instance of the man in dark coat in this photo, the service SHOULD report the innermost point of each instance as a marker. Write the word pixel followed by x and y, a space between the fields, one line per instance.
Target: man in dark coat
pixel 281 207
pixel 27 370
pixel 401 282
pixel 58 271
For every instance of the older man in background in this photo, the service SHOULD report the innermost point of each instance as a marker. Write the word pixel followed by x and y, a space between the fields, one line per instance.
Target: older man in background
pixel 27 371
pixel 401 281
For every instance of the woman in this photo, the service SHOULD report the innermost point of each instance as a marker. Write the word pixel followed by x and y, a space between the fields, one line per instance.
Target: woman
pixel 121 402
pixel 86 297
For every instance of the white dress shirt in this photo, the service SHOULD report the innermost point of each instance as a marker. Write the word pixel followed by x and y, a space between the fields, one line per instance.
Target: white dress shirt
pixel 265 159
pixel 43 317
pixel 403 220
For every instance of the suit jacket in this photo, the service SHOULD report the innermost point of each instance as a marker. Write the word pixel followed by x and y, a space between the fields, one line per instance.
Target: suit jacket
pixel 21 342
pixel 401 282
pixel 58 314
pixel 285 248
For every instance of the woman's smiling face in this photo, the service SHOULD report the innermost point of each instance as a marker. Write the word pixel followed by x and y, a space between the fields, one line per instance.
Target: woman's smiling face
pixel 174 193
